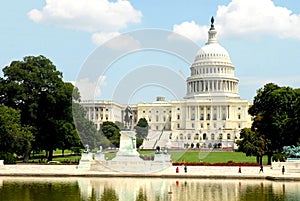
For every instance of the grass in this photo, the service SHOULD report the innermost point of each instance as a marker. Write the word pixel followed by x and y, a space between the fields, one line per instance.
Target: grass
pixel 217 157
pixel 209 157
pixel 178 156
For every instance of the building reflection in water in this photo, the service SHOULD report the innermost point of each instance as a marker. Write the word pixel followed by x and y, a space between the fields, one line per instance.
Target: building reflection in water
pixel 144 189
pixel 140 189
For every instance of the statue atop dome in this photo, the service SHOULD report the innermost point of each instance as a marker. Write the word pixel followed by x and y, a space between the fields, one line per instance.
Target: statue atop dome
pixel 212 20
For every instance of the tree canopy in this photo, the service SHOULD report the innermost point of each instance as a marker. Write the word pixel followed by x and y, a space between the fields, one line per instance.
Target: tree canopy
pixel 35 88
pixel 275 112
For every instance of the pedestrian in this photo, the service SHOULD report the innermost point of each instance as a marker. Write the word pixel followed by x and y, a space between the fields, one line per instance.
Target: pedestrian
pixel 177 169
pixel 240 169
pixel 185 169
pixel 261 169
pixel 283 170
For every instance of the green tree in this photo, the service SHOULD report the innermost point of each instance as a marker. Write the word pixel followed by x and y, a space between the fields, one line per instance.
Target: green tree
pixel 252 144
pixel 141 129
pixel 274 116
pixel 85 128
pixel 36 88
pixel 14 139
pixel 112 132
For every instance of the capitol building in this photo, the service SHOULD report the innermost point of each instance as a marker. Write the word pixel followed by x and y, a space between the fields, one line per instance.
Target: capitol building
pixel 211 114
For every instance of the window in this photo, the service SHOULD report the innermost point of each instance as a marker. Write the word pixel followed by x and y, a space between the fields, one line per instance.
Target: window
pixel 178 116
pixel 239 116
pixel 196 137
pixel 157 118
pixel 204 136
pixel 228 136
pixel 212 136
pixel 181 136
pixel 189 136
pixel 220 136
pixel 156 127
pixel 143 111
pixel 193 125
pixel 178 125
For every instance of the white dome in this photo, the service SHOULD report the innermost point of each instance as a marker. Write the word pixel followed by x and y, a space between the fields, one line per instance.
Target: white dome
pixel 212 51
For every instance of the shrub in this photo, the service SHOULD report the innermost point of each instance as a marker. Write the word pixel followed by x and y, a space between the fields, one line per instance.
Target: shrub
pixel 8 158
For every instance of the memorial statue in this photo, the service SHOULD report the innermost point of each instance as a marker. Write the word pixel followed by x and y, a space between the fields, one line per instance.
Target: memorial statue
pixel 291 151
pixel 87 149
pixel 128 117
pixel 100 149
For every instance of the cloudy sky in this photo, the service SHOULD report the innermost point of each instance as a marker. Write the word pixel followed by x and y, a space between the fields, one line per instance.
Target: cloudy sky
pixel 261 36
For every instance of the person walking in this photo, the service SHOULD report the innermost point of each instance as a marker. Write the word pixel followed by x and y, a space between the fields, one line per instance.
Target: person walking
pixel 261 169
pixel 177 169
pixel 283 170
pixel 240 169
pixel 185 169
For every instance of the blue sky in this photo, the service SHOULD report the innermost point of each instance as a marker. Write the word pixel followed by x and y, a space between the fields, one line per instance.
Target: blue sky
pixel 261 36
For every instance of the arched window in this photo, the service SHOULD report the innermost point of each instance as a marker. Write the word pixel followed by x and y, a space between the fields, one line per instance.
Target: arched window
pixel 196 137
pixel 204 136
pixel 220 136
pixel 181 136
pixel 228 136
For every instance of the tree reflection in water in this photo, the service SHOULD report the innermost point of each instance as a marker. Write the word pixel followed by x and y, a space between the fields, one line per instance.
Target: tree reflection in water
pixel 141 196
pixel 109 194
pixel 145 189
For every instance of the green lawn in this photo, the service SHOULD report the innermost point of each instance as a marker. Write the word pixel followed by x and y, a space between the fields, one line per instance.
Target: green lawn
pixel 209 157
pixel 178 156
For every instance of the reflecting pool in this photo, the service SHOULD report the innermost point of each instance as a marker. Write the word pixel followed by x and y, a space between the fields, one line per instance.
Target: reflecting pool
pixel 142 189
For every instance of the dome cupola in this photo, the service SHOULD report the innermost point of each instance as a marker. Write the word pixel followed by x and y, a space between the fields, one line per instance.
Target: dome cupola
pixel 212 73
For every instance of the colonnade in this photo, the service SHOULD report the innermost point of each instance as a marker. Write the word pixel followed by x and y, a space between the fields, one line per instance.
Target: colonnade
pixel 212 86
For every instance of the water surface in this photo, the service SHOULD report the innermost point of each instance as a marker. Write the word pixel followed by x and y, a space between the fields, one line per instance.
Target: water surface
pixel 141 189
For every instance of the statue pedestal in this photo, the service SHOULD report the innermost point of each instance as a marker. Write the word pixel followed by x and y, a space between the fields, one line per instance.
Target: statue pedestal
pixel 85 161
pixel 99 156
pixel 127 150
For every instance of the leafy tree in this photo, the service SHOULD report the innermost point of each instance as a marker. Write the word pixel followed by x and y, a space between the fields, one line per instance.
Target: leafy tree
pixel 141 129
pixel 112 132
pixel 13 137
pixel 35 87
pixel 252 144
pixel 85 128
pixel 275 119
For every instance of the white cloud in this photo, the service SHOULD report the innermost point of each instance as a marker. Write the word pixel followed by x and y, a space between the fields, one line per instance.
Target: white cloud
pixel 123 42
pixel 190 30
pixel 87 15
pixel 247 18
pixel 258 17
pixel 100 16
pixel 90 90
pixel 102 37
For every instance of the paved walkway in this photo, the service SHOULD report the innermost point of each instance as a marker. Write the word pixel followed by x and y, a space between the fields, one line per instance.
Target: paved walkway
pixel 224 172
